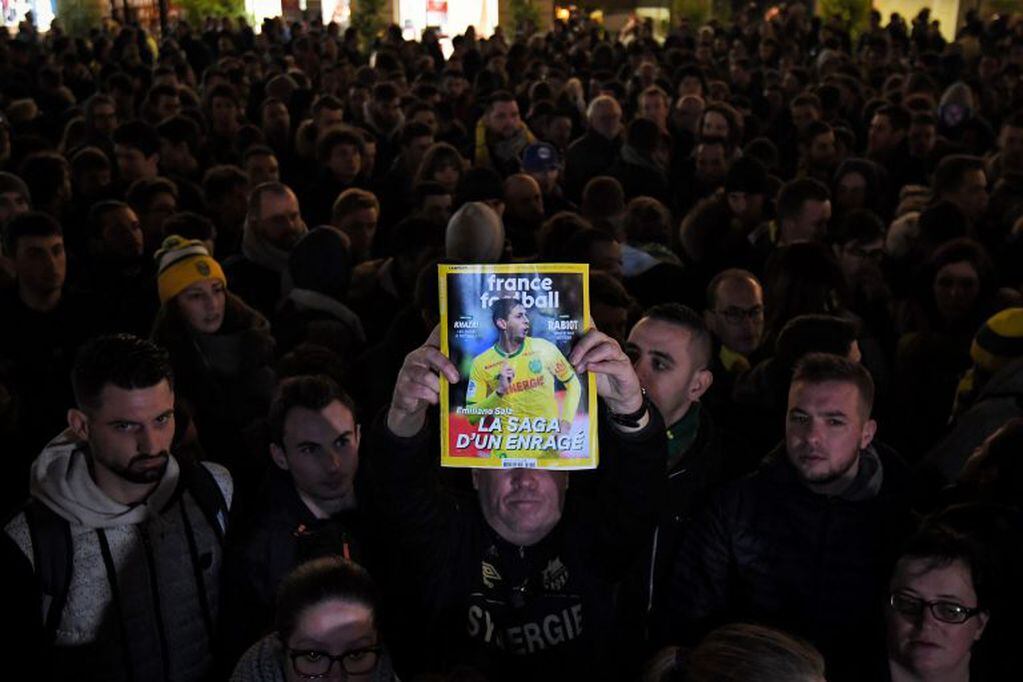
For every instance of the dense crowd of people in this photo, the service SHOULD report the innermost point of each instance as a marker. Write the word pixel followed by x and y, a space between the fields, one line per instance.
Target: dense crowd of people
pixel 220 364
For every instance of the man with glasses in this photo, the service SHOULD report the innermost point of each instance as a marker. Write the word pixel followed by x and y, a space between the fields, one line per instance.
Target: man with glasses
pixel 806 541
pixel 735 315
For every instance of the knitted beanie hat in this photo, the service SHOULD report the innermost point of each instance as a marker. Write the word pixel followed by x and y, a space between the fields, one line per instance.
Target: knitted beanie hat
pixel 999 341
pixel 180 263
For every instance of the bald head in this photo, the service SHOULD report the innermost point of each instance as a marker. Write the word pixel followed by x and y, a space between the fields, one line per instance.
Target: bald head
pixel 523 198
pixel 475 235
pixel 605 116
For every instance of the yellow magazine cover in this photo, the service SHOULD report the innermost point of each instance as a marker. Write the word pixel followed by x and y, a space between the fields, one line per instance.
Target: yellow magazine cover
pixel 509 330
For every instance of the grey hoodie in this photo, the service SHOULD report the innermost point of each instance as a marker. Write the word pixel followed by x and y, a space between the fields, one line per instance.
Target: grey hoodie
pixel 137 571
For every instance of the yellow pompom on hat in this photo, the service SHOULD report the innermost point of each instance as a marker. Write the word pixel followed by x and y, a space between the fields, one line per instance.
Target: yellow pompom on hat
pixel 180 263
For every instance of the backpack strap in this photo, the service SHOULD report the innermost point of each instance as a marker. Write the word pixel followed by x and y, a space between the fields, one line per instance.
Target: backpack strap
pixel 53 558
pixel 200 482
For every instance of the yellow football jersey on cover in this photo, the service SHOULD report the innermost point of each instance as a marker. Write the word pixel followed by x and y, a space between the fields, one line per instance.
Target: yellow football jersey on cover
pixel 531 391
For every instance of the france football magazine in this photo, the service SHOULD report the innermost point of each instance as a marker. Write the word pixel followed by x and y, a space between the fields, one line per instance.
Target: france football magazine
pixel 509 330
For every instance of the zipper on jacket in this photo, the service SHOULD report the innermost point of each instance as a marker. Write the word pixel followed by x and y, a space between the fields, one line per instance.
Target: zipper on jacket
pixel 115 599
pixel 155 588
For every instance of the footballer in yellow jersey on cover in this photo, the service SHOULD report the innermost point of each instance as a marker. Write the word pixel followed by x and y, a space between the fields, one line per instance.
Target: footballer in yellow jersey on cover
pixel 509 330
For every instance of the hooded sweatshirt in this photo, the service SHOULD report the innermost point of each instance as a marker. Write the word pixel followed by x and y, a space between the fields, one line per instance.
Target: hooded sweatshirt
pixel 144 578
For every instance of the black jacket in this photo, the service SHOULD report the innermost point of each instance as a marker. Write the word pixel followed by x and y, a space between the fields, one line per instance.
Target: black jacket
pixel 589 156
pixel 770 550
pixel 713 459
pixel 539 612
pixel 281 534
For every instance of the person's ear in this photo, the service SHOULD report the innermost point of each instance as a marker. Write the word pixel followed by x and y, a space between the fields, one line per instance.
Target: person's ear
pixel 709 318
pixel 867 435
pixel 358 435
pixel 982 619
pixel 277 455
pixel 700 383
pixel 78 422
pixel 501 324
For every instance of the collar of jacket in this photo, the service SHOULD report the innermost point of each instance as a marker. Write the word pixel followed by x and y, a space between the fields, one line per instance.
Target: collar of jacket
pixel 682 434
pixel 866 485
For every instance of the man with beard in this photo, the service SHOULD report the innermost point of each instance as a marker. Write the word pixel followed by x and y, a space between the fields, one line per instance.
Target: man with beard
pixel 805 542
pixel 817 152
pixel 501 135
pixel 124 538
pixel 272 226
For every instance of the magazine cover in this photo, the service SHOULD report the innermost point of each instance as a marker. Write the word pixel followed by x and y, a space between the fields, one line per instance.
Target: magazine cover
pixel 509 330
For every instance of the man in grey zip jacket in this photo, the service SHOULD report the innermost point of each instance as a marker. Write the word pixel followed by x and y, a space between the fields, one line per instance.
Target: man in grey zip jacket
pixel 133 527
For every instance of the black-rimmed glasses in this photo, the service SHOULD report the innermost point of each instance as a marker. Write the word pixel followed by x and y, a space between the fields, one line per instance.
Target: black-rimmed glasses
pixel 316 664
pixel 945 611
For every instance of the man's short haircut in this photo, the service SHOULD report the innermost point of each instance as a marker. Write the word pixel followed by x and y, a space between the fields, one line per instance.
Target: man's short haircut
pixel 647 221
pixel 352 200
pixel 385 92
pixel 190 226
pixel 89 159
pixel 728 275
pixel 318 581
pixel 223 91
pixel 603 196
pixel 138 135
pixel 255 207
pixel 429 188
pixel 807 99
pixel 498 97
pixel 313 392
pixel 654 91
pixel 897 115
pixel 323 102
pixel 797 192
pixel 335 137
pixel 924 118
pixel 220 180
pixel 688 319
pixel 609 291
pixel 9 182
pixel 948 176
pixel 601 101
pixel 29 224
pixel 43 172
pixel 813 130
pixel 858 226
pixel 502 308
pixel 818 368
pixel 121 360
pixel 178 129
pixel 413 130
pixel 643 134
pixel 99 212
pixel 96 100
pixel 257 150
pixel 143 191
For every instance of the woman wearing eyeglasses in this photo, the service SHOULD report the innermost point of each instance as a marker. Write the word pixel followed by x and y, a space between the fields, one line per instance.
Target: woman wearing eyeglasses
pixel 937 609
pixel 326 629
